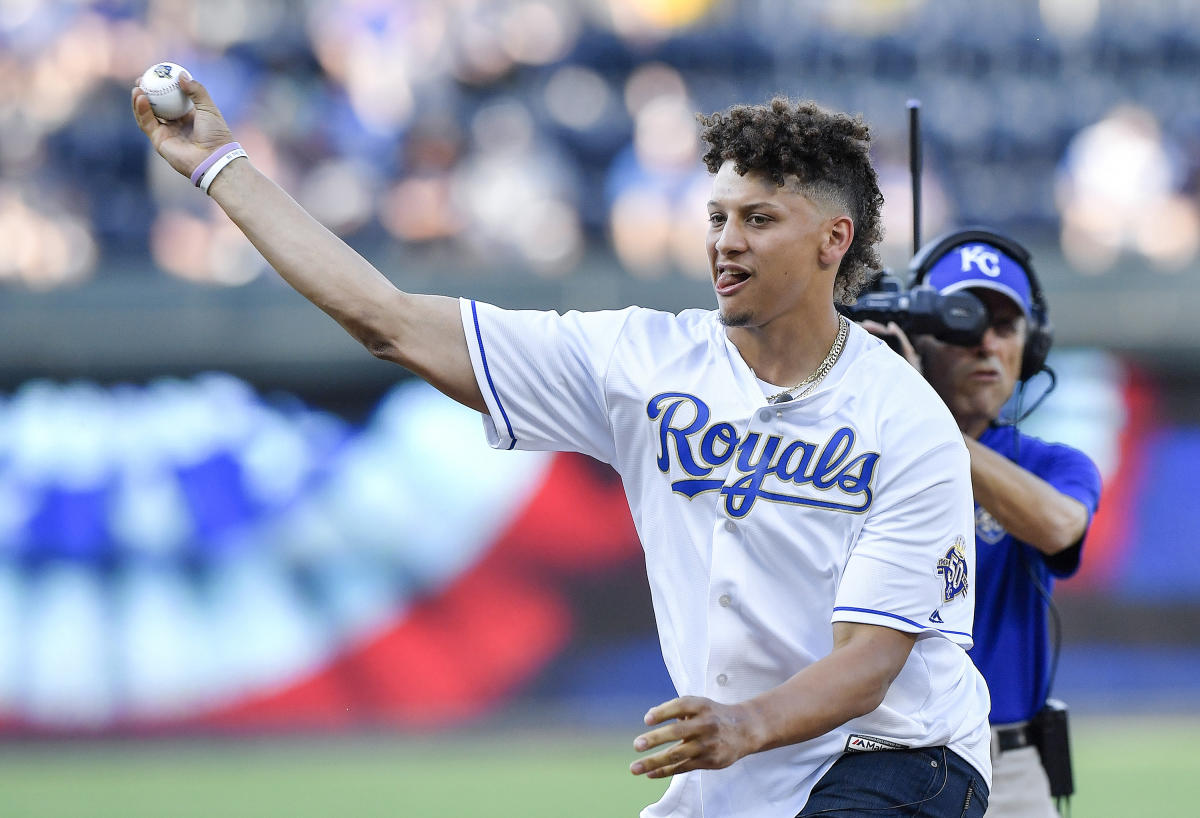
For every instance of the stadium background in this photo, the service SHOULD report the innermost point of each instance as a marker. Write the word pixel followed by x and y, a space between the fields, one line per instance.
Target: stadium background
pixel 221 520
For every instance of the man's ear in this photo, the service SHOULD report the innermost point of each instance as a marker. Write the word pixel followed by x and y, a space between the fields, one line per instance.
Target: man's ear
pixel 837 240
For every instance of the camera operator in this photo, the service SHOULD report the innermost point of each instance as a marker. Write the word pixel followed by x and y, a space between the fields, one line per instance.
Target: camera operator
pixel 1034 503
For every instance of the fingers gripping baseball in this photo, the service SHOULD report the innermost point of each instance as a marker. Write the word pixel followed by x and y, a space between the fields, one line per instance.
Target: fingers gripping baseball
pixel 187 141
pixel 708 736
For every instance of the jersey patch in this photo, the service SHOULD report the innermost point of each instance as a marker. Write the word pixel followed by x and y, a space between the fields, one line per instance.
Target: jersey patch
pixel 856 743
pixel 953 568
pixel 986 527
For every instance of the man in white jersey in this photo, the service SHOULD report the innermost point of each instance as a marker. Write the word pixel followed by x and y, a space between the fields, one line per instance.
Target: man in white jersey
pixel 802 495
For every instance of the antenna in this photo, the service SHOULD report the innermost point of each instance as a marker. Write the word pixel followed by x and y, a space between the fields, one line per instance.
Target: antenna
pixel 914 165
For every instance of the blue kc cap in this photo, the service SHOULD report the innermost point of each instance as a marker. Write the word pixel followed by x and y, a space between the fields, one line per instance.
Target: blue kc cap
pixel 978 264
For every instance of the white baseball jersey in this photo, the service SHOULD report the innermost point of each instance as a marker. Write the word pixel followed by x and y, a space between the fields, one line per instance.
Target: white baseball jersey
pixel 762 524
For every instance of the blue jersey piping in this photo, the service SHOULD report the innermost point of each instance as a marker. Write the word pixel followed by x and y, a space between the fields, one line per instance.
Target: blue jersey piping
pixel 901 618
pixel 488 374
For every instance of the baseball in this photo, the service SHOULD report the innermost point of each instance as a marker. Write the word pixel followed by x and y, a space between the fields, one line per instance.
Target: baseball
pixel 161 84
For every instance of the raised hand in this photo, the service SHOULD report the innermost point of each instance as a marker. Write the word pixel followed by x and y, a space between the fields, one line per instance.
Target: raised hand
pixel 187 141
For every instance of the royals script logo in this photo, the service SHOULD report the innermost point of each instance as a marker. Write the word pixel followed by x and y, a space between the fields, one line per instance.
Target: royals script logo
pixel 832 468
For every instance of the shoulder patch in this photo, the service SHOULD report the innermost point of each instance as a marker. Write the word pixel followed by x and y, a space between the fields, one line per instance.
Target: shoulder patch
pixel 953 569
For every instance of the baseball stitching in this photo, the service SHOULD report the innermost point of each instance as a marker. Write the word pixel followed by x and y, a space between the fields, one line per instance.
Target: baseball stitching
pixel 158 92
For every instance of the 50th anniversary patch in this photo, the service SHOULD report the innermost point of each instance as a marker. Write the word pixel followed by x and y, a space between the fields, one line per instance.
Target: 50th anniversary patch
pixel 953 568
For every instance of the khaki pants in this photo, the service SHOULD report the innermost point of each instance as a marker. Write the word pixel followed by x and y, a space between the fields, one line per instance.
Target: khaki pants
pixel 1019 785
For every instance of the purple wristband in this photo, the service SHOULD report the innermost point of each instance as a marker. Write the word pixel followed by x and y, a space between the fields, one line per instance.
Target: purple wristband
pixel 211 160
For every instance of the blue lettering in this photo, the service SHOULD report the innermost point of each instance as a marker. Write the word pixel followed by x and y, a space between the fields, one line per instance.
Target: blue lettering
pixel 723 434
pixel 690 488
pixel 747 462
pixel 740 496
pixel 806 450
pixel 680 436
pixel 829 464
pixel 852 483
pixel 799 463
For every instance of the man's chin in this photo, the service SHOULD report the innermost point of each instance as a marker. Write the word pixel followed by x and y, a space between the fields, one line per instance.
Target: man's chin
pixel 734 318
pixel 985 403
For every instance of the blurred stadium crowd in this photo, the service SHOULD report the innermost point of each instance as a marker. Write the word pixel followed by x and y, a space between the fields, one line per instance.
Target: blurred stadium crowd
pixel 194 553
pixel 518 136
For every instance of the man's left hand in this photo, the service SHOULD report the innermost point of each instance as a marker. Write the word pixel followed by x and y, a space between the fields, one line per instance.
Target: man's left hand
pixel 710 736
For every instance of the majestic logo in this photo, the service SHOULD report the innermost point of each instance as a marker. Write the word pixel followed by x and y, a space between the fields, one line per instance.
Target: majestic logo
pixel 856 743
pixel 986 527
pixel 936 618
pixel 685 435
pixel 162 70
pixel 953 568
pixel 979 256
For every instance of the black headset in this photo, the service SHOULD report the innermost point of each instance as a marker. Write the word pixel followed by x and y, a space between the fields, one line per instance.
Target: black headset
pixel 1040 335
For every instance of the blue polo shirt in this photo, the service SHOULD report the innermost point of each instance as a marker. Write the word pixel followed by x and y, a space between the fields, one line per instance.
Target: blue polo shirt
pixel 1012 641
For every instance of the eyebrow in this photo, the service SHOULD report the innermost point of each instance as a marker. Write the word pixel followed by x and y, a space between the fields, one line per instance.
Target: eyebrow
pixel 748 205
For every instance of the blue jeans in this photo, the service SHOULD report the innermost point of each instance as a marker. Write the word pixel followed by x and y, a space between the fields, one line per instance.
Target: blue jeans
pixel 931 782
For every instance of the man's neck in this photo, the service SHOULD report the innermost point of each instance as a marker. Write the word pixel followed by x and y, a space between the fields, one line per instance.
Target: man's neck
pixel 974 427
pixel 788 349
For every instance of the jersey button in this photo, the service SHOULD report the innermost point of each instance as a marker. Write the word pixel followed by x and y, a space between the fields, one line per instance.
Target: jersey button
pixel 722 679
pixel 724 600
pixel 764 415
pixel 730 526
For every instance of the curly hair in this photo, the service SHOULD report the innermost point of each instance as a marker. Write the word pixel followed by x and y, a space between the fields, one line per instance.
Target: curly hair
pixel 827 151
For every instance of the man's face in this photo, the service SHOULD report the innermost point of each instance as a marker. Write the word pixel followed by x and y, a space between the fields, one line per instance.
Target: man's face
pixel 976 381
pixel 764 245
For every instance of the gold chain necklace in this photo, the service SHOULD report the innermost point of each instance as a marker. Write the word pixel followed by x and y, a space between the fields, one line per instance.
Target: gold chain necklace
pixel 808 384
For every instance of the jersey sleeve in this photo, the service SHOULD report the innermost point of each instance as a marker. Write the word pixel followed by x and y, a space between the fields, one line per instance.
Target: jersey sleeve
pixel 1074 474
pixel 912 566
pixel 542 376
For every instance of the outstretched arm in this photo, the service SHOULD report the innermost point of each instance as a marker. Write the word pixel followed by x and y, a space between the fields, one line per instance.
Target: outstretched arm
pixel 850 682
pixel 422 333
